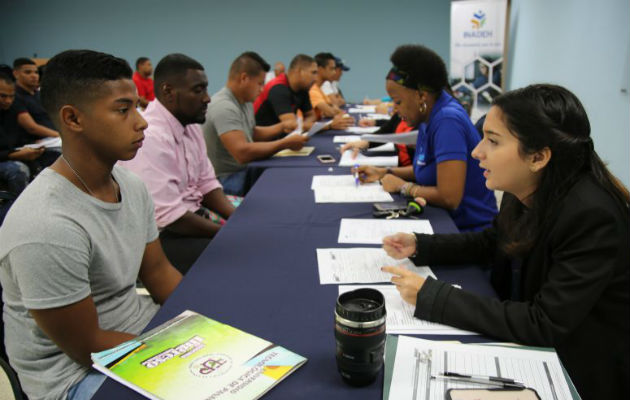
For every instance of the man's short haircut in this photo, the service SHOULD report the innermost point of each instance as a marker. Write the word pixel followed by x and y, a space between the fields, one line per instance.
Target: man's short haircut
pixel 7 71
pixel 322 59
pixel 301 60
pixel 172 66
pixel 6 78
pixel 249 62
pixel 75 76
pixel 19 62
pixel 140 61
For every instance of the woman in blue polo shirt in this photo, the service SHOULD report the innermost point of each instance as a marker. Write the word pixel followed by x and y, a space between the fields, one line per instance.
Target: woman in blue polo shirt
pixel 443 170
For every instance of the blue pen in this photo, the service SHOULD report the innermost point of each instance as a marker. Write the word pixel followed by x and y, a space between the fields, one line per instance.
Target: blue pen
pixel 356 175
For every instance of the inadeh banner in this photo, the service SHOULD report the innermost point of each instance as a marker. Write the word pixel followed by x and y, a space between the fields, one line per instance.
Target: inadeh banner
pixel 478 47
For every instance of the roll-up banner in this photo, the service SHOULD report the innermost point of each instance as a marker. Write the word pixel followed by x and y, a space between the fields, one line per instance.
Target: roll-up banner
pixel 478 48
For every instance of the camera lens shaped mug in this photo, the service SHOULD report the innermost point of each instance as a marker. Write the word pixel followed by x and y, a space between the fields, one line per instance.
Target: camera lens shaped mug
pixel 360 335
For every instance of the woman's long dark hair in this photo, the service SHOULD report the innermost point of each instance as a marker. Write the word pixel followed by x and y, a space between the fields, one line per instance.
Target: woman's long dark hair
pixel 550 116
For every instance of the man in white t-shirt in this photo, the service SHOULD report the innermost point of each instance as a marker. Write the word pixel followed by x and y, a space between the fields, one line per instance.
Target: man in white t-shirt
pixel 331 88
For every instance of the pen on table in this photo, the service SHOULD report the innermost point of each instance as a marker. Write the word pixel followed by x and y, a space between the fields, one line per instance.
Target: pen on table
pixel 488 380
pixel 356 174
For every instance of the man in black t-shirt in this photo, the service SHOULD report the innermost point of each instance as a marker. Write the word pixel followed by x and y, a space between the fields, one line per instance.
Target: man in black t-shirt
pixel 13 172
pixel 284 95
pixel 34 121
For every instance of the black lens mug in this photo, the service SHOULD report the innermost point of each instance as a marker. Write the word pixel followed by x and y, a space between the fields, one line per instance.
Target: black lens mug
pixel 360 335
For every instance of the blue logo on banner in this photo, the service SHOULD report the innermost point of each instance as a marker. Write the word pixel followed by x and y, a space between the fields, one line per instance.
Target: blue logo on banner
pixel 478 21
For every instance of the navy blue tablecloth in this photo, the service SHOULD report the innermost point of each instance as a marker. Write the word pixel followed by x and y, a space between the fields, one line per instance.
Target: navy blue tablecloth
pixel 259 274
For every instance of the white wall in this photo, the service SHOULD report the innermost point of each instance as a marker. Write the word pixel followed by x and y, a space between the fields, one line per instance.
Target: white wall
pixel 584 46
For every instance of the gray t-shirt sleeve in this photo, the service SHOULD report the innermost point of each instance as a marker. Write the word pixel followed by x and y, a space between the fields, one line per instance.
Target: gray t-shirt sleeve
pixel 152 229
pixel 226 117
pixel 52 275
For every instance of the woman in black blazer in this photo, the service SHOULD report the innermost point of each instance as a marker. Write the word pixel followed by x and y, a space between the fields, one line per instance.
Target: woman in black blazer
pixel 559 250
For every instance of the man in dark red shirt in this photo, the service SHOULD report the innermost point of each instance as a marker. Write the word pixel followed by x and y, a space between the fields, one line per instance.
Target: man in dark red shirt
pixel 143 81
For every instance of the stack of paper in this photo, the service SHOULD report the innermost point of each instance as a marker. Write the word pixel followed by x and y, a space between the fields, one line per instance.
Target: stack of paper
pixel 344 189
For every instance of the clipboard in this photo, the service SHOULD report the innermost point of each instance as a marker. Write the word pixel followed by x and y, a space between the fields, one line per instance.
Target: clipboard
pixel 391 344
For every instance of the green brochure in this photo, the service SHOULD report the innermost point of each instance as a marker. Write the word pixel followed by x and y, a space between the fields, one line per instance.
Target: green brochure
pixel 195 357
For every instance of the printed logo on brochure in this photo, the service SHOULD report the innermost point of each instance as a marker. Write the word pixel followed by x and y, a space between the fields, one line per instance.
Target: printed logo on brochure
pixel 479 20
pixel 211 365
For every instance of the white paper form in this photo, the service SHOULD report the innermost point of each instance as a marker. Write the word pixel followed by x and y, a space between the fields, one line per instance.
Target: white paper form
pixel 343 189
pixel 352 194
pixel 55 142
pixel 362 129
pixel 400 319
pixel 346 138
pixel 379 116
pixel 383 147
pixel 372 231
pixel 362 108
pixel 324 181
pixel 358 265
pixel 417 360
pixel 347 160
pixel 407 138
pixel 298 128
pixel 316 127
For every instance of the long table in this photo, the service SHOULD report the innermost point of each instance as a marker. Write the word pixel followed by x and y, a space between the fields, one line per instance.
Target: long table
pixel 260 274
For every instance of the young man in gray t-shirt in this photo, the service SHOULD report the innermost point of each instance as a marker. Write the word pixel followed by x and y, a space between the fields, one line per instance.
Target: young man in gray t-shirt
pixel 232 137
pixel 79 236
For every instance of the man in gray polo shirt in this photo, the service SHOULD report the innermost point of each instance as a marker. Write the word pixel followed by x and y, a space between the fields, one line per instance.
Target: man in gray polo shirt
pixel 232 137
pixel 76 240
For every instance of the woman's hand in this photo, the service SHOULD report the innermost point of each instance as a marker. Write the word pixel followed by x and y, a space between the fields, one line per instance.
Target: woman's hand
pixel 392 183
pixel 368 173
pixel 408 283
pixel 400 245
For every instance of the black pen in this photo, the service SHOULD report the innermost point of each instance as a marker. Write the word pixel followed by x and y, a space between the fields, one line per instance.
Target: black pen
pixel 482 379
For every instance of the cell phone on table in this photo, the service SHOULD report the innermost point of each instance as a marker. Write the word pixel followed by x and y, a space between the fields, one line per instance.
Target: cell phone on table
pixel 492 394
pixel 326 158
pixel 391 206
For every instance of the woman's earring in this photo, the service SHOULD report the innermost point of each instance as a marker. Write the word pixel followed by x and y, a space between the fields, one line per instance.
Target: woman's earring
pixel 423 108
